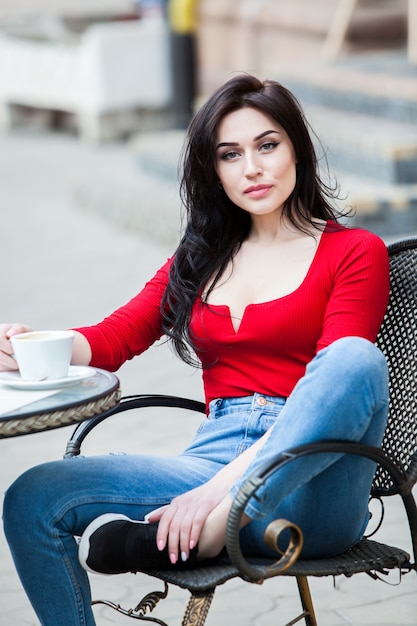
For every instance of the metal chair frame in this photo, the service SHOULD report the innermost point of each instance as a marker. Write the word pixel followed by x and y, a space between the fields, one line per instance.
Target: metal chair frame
pixel 396 474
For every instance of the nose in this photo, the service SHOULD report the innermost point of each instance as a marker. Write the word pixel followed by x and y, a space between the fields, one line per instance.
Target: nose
pixel 252 166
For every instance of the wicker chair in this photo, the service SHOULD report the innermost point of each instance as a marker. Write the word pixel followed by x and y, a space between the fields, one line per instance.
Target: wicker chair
pixel 396 474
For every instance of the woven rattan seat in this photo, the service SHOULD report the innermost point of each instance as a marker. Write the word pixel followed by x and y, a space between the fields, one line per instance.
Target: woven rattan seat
pixel 396 473
pixel 365 556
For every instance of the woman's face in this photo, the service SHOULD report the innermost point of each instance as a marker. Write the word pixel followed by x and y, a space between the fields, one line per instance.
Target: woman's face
pixel 255 161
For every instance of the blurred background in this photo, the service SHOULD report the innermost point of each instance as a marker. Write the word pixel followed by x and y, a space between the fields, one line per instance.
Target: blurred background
pixel 121 71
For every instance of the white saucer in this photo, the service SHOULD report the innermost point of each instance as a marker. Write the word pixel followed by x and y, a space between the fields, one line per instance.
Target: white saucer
pixel 75 375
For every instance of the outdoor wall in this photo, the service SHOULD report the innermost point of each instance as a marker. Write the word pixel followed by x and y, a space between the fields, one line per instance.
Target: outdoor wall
pixel 255 35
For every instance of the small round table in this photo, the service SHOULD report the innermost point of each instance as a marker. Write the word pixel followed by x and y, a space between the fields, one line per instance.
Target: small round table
pixel 92 396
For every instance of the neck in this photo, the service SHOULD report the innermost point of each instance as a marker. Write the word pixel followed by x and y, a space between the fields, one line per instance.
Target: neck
pixel 270 229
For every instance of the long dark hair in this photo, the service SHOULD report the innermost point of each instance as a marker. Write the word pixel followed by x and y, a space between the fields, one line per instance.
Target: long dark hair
pixel 216 227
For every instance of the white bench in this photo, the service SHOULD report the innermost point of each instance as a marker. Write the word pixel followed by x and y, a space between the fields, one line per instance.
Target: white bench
pixel 113 68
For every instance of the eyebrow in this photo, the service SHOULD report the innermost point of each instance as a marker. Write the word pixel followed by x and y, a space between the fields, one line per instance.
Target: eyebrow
pixel 235 143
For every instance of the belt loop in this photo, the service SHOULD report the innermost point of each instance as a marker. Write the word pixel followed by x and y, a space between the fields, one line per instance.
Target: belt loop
pixel 215 405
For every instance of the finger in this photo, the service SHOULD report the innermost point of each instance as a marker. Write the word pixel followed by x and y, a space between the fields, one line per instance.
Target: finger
pixel 9 330
pixel 16 329
pixel 5 346
pixel 156 514
pixel 184 541
pixel 174 540
pixel 164 526
pixel 195 533
pixel 169 530
pixel 7 362
pixel 190 533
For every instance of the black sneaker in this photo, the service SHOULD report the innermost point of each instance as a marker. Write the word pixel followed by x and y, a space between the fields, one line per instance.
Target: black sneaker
pixel 116 544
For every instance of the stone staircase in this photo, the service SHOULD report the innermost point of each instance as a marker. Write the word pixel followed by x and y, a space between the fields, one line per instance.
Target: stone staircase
pixel 364 110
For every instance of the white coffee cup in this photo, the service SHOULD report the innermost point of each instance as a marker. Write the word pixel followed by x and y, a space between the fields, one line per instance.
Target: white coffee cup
pixel 43 355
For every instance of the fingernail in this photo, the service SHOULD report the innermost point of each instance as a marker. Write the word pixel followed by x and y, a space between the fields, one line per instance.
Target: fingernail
pixel 184 557
pixel 173 558
pixel 161 545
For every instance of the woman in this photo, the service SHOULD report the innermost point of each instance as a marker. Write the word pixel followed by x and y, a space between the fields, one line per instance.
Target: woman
pixel 281 306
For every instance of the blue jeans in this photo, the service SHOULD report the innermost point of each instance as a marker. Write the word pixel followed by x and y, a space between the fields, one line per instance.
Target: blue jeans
pixel 343 395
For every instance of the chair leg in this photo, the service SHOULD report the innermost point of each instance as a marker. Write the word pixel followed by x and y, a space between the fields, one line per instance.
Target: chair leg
pixel 198 608
pixel 306 601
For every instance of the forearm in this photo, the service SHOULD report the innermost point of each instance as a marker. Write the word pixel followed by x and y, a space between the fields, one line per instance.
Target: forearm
pixel 81 351
pixel 213 531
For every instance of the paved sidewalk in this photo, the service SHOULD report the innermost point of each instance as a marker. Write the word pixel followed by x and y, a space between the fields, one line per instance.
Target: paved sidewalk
pixel 63 268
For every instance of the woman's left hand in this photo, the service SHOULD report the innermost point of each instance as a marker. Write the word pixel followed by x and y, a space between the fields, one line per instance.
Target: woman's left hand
pixel 182 521
pixel 200 515
pixel 7 362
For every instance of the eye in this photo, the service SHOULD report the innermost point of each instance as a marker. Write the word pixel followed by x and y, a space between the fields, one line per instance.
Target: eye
pixel 229 156
pixel 269 145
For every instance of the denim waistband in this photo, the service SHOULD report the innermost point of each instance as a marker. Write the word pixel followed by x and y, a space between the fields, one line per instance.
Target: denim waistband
pixel 257 401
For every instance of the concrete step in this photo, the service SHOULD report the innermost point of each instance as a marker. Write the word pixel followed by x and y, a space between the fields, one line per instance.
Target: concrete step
pixel 381 85
pixel 383 208
pixel 374 147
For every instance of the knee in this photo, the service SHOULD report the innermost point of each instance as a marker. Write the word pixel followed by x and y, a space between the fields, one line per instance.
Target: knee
pixel 357 364
pixel 356 354
pixel 26 497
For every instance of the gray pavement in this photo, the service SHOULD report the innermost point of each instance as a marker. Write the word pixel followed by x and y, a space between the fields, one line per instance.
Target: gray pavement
pixel 62 267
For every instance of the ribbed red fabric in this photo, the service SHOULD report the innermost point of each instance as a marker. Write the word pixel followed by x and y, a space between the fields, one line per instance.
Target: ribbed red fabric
pixel 344 293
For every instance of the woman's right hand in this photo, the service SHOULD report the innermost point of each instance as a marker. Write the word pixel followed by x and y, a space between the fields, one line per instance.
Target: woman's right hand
pixel 7 362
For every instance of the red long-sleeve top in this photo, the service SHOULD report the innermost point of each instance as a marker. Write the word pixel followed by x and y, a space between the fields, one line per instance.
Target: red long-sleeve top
pixel 344 293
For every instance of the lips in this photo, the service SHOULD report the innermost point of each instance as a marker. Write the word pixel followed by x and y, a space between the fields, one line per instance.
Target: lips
pixel 257 191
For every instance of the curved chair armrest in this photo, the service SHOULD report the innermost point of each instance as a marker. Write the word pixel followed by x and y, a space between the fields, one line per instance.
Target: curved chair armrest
pixel 256 573
pixel 127 403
